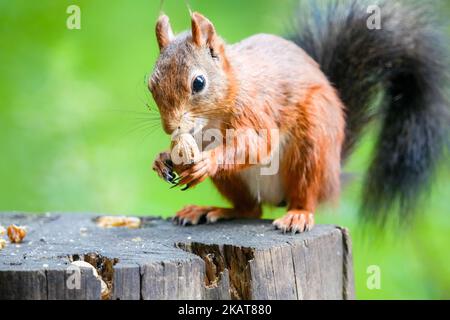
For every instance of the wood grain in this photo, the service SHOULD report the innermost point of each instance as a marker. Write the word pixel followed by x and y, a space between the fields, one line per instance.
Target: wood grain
pixel 240 259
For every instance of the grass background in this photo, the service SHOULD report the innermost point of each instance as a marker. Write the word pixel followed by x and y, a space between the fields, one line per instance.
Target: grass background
pixel 76 135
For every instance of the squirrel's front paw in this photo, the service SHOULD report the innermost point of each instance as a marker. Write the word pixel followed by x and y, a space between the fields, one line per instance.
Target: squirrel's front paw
pixel 192 215
pixel 295 221
pixel 198 172
pixel 164 167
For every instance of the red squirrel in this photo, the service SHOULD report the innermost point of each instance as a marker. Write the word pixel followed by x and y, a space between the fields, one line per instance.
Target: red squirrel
pixel 317 89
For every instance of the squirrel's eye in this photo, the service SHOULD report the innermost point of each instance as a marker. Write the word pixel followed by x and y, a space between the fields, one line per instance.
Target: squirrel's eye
pixel 198 84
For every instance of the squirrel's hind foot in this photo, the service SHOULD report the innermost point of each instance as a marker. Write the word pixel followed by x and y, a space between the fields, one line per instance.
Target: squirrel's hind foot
pixel 193 215
pixel 295 221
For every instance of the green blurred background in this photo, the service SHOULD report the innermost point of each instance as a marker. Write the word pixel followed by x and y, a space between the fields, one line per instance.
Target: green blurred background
pixel 76 133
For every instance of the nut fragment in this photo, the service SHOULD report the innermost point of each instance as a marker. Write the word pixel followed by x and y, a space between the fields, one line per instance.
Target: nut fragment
pixel 84 264
pixel 16 234
pixel 104 287
pixel 118 221
pixel 104 290
pixel 184 150
pixel 2 244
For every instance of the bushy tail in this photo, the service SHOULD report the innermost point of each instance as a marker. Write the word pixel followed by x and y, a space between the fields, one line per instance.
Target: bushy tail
pixel 397 73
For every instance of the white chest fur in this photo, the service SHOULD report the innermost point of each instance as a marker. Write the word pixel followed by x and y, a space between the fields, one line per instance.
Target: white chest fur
pixel 266 188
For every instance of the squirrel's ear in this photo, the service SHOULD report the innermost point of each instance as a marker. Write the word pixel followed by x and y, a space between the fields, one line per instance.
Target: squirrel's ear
pixel 164 34
pixel 203 31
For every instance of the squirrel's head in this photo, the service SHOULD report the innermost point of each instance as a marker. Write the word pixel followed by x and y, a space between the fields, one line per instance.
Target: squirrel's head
pixel 192 79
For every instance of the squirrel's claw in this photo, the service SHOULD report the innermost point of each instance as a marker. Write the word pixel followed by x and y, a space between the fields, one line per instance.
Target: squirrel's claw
pixel 295 221
pixel 194 175
pixel 163 166
pixel 190 177
pixel 168 176
pixel 168 163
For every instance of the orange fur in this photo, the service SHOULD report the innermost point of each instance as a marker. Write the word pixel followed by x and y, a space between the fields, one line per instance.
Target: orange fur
pixel 263 82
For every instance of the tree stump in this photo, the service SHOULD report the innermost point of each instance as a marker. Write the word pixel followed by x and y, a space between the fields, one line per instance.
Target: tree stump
pixel 239 259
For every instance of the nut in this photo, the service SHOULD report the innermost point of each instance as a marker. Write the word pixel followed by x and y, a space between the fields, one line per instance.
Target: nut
pixel 2 244
pixel 2 231
pixel 16 234
pixel 118 221
pixel 184 150
pixel 104 290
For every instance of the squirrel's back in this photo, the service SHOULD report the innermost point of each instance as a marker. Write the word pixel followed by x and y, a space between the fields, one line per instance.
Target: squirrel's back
pixel 263 54
pixel 275 72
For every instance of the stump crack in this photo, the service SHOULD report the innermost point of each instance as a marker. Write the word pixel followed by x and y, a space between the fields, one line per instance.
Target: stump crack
pixel 104 267
pixel 224 261
pixel 348 290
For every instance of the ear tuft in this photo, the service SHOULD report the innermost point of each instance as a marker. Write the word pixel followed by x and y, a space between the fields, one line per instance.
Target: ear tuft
pixel 164 33
pixel 203 31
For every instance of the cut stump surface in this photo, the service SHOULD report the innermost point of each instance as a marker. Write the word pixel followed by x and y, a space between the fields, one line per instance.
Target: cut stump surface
pixel 239 259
